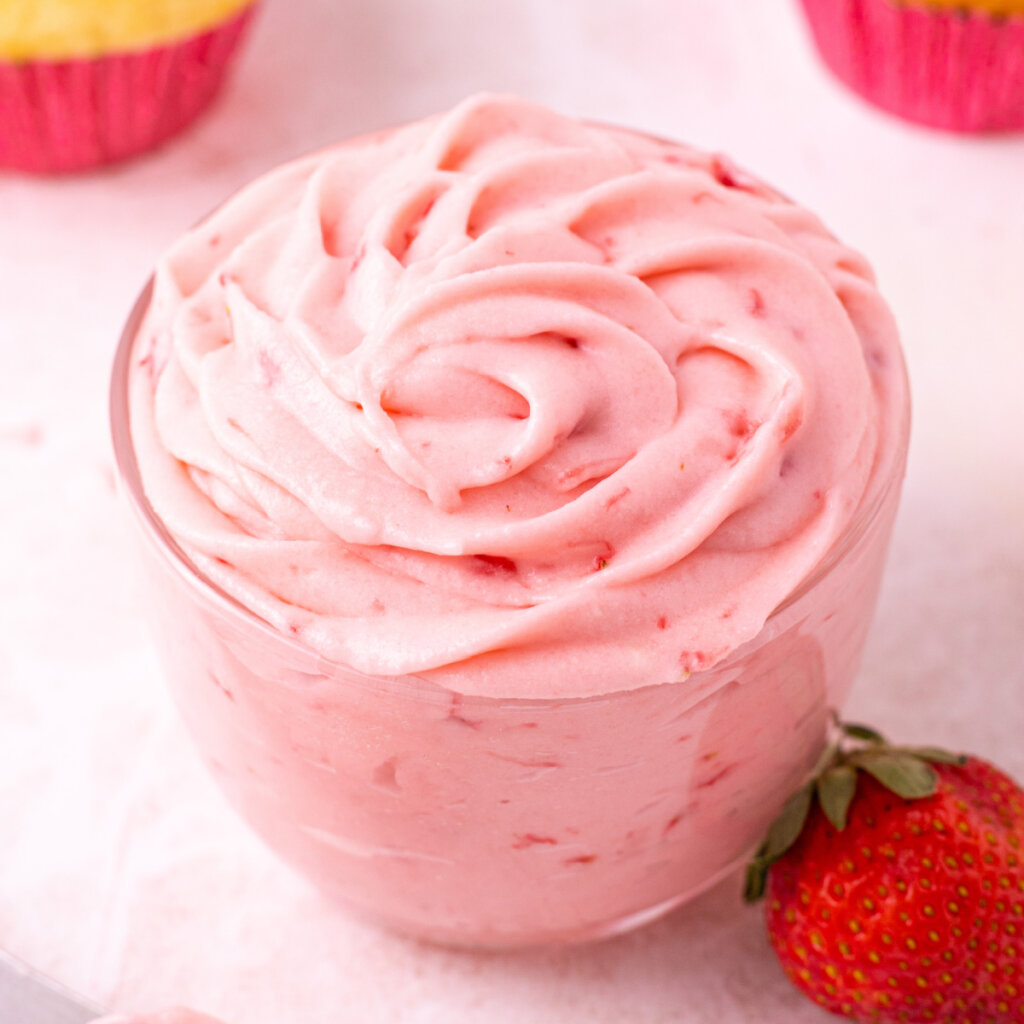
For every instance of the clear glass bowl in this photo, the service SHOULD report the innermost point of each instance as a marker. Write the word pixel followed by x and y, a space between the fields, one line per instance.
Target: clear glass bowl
pixel 502 823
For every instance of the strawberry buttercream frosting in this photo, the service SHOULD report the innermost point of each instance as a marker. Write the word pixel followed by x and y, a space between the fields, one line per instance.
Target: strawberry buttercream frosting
pixel 523 405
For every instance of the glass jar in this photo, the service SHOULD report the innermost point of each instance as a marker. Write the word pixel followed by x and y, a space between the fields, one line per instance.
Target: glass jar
pixel 500 822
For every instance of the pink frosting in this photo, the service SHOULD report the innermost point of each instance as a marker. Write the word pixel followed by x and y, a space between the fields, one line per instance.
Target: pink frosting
pixel 527 406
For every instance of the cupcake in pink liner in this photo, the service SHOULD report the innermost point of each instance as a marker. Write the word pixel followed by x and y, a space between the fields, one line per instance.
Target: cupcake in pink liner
pixel 952 64
pixel 89 82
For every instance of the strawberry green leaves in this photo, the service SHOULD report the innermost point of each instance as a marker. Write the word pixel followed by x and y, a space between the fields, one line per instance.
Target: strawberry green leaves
pixel 860 732
pixel 899 771
pixel 783 833
pixel 835 789
pixel 853 748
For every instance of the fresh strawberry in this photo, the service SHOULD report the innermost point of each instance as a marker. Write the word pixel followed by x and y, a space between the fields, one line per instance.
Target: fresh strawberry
pixel 895 886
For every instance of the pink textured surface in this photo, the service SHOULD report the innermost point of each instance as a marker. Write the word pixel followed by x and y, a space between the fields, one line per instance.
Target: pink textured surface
pixel 124 874
pixel 953 69
pixel 69 115
pixel 176 1015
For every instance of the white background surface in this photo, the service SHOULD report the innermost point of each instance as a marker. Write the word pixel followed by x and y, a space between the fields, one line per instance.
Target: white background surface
pixel 121 870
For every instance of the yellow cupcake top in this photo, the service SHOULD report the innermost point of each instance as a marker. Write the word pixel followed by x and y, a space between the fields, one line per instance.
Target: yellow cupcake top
pixel 994 7
pixel 55 29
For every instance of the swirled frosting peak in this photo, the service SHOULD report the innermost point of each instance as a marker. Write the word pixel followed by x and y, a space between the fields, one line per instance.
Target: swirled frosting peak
pixel 530 406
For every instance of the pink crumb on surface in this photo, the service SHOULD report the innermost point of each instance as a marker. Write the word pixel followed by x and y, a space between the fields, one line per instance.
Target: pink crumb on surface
pixel 31 435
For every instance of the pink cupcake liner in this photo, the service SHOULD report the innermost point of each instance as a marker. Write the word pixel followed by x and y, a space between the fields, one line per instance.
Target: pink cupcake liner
pixel 69 115
pixel 960 70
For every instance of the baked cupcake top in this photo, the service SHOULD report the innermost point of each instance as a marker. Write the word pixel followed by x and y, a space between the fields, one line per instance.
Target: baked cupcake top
pixel 532 406
pixel 996 8
pixel 58 29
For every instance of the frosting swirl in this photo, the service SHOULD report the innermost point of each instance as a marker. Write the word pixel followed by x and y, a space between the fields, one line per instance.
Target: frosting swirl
pixel 530 406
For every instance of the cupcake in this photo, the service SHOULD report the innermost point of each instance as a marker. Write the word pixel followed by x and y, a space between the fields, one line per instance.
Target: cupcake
pixel 88 82
pixel 514 493
pixel 953 64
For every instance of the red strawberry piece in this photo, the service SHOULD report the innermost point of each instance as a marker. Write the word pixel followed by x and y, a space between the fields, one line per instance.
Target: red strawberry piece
pixel 895 886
